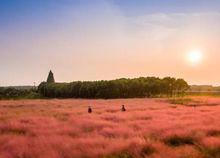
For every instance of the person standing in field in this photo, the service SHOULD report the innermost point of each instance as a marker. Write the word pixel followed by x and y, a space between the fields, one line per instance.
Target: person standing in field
pixel 89 109
pixel 123 108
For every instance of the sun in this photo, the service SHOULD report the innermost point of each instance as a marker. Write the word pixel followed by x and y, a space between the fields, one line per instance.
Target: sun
pixel 195 57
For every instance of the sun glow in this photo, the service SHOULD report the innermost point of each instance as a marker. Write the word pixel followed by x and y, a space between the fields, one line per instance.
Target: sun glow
pixel 195 57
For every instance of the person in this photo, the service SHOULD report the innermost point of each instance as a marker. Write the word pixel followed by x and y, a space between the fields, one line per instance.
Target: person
pixel 89 109
pixel 123 108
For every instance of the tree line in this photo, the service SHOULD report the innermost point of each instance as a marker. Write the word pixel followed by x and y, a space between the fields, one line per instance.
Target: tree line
pixel 119 88
pixel 18 93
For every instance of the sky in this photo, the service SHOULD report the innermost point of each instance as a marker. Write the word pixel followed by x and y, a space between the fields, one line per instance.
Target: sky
pixel 108 39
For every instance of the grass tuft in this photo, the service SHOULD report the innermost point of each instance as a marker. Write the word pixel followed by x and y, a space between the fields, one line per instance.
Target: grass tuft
pixel 147 150
pixel 14 131
pixel 211 152
pixel 181 101
pixel 123 154
pixel 213 133
pixel 176 141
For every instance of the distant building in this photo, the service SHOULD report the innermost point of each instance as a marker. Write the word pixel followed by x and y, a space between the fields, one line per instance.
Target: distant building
pixel 50 78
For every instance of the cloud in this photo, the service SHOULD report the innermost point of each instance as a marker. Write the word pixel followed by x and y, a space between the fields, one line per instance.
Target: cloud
pixel 177 22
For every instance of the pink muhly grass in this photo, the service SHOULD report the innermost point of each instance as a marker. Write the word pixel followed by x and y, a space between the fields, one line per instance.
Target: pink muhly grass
pixel 149 128
pixel 211 142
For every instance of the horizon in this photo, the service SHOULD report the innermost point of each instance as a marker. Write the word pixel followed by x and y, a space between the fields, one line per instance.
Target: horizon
pixel 109 39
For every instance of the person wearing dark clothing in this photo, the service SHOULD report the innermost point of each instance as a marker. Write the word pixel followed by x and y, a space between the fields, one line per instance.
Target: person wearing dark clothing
pixel 89 109
pixel 123 108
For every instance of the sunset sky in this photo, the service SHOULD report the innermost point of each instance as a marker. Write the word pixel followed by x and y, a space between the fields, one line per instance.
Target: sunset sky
pixel 108 39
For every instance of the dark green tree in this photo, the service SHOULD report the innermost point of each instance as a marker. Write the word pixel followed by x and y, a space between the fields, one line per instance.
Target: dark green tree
pixel 50 78
pixel 181 86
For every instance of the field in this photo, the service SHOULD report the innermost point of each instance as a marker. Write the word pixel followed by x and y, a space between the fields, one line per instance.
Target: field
pixel 152 128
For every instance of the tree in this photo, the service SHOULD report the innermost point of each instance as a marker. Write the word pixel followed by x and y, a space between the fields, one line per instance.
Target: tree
pixel 50 78
pixel 169 85
pixel 181 86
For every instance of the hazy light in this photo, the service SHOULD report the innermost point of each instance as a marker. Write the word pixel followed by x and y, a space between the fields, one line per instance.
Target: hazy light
pixel 195 57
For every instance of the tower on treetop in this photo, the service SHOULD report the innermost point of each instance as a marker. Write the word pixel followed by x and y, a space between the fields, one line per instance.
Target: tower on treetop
pixel 50 78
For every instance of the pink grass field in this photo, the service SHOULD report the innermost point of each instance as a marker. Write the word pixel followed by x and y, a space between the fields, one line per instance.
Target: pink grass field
pixel 149 128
